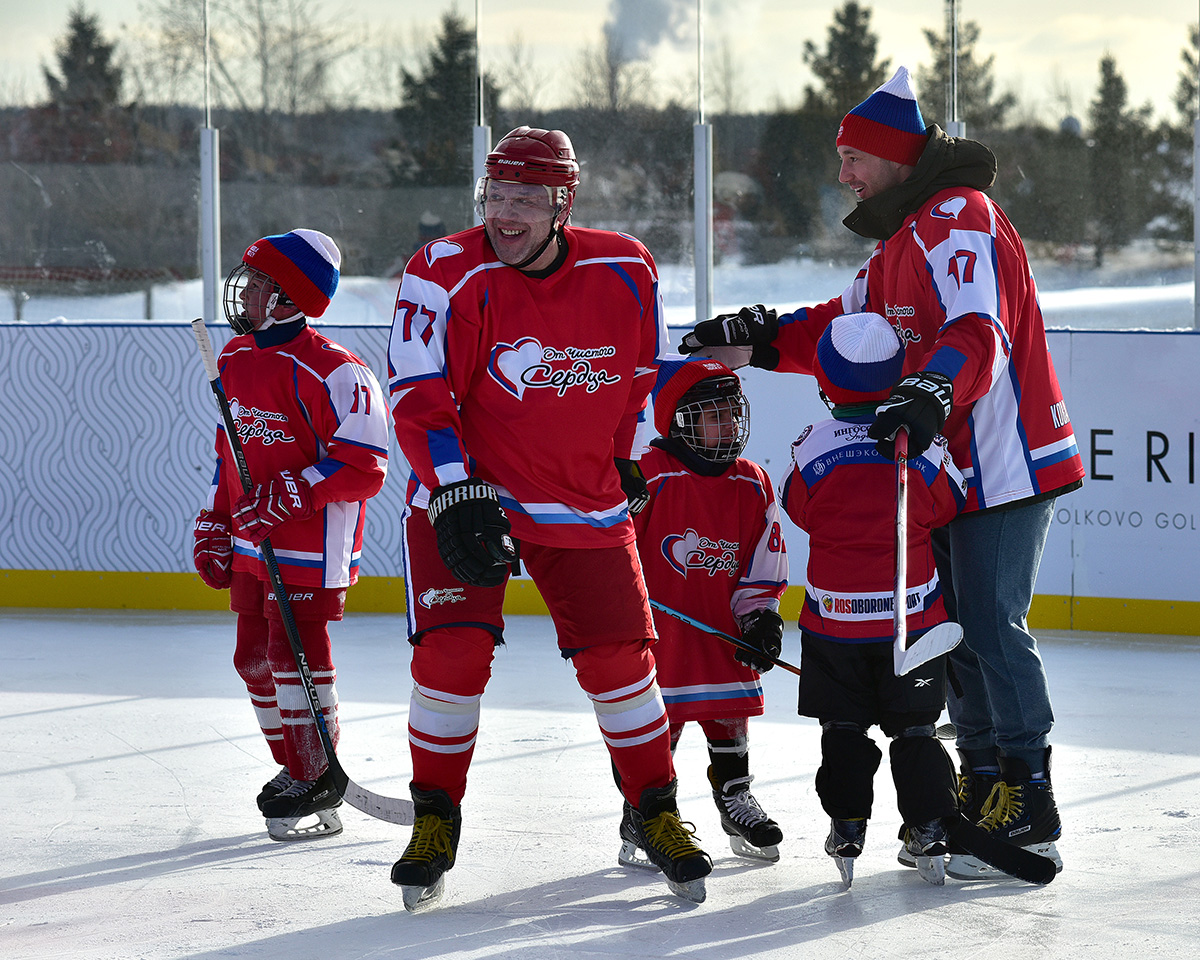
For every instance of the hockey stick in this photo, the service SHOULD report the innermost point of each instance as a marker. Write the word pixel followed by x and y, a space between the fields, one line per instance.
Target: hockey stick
pixel 1005 857
pixel 937 640
pixel 737 642
pixel 391 809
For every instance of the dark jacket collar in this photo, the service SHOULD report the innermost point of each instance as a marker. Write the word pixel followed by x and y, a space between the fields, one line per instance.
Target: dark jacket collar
pixel 279 333
pixel 946 162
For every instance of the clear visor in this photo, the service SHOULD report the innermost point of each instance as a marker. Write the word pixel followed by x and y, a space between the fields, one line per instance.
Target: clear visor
pixel 717 429
pixel 522 202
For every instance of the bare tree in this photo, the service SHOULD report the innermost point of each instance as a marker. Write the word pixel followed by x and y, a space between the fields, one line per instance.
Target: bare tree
pixel 523 82
pixel 726 79
pixel 608 79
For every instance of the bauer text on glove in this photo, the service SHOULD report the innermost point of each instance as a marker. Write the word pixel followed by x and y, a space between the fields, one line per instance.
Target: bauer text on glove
pixel 286 496
pixel 213 550
pixel 921 403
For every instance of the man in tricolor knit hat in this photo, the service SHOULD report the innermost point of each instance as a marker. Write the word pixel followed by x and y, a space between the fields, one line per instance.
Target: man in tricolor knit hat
pixel 951 275
pixel 314 430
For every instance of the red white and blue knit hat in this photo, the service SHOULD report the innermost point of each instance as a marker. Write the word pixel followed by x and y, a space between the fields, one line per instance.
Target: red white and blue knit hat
pixel 677 375
pixel 888 123
pixel 305 263
pixel 859 358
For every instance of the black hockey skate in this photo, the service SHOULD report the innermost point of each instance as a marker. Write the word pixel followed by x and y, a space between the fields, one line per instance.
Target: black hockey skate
pixel 751 832
pixel 668 843
pixel 926 846
pixel 845 843
pixel 421 870
pixel 300 800
pixel 1019 810
pixel 274 787
pixel 631 854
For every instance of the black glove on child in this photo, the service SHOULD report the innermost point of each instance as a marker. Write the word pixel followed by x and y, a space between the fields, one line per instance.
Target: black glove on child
pixel 472 532
pixel 763 630
pixel 752 329
pixel 921 402
pixel 633 485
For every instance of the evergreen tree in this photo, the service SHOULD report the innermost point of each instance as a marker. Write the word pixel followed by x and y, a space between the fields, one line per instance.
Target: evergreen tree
pixel 978 106
pixel 847 68
pixel 88 79
pixel 1118 161
pixel 1174 191
pixel 438 106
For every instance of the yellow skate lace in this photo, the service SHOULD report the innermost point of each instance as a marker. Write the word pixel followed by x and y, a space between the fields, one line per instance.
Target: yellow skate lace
pixel 965 790
pixel 431 836
pixel 1004 804
pixel 672 836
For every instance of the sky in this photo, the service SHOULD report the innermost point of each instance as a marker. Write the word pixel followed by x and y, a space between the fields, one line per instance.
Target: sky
pixel 131 760
pixel 1047 53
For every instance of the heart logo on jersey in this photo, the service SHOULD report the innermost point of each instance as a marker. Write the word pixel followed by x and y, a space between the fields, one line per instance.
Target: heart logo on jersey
pixel 949 209
pixel 441 248
pixel 509 361
pixel 676 549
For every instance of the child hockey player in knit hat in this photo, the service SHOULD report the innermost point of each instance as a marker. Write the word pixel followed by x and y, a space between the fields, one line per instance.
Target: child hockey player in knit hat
pixel 842 491
pixel 711 547
pixel 314 430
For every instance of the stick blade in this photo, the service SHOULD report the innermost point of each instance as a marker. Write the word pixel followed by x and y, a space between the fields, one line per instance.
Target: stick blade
pixel 388 809
pixel 1005 857
pixel 933 643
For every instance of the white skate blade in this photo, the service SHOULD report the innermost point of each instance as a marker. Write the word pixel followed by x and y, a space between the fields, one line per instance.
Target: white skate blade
pixel 631 855
pixel 419 898
pixel 845 867
pixel 941 639
pixel 691 890
pixel 963 866
pixel 328 824
pixel 932 869
pixel 744 848
pixel 906 859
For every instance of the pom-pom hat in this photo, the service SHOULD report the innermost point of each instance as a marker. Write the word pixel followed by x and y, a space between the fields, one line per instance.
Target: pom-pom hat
pixel 888 123
pixel 677 375
pixel 859 358
pixel 305 263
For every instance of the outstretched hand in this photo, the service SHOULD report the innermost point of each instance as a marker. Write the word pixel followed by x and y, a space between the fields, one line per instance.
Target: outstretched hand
pixel 736 339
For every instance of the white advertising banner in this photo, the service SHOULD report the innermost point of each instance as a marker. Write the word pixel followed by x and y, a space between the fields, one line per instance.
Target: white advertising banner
pixel 106 451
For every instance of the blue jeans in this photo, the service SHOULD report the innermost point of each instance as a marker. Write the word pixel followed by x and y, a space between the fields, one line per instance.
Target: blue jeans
pixel 1004 706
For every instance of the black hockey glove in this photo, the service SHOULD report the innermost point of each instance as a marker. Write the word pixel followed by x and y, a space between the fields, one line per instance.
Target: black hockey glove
pixel 633 485
pixel 737 338
pixel 921 402
pixel 762 629
pixel 472 532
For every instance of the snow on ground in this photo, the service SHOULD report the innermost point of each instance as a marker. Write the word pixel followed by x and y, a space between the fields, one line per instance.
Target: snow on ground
pixel 131 761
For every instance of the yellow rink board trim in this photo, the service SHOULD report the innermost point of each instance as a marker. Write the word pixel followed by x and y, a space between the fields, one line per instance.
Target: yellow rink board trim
pixel 116 590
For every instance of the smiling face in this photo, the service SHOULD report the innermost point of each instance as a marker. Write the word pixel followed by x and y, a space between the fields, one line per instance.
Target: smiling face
pixel 518 217
pixel 868 175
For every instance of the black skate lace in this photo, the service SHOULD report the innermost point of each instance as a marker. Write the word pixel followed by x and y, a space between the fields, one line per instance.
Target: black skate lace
pixel 743 808
pixel 431 836
pixel 1004 804
pixel 296 788
pixel 672 836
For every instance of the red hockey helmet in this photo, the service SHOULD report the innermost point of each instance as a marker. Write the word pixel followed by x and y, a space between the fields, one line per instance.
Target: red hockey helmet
pixel 534 155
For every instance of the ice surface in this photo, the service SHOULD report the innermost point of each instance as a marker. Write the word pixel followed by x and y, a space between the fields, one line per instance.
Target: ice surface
pixel 131 761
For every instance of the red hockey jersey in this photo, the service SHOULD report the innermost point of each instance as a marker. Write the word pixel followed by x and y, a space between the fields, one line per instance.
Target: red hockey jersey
pixel 712 548
pixel 843 492
pixel 311 406
pixel 533 385
pixel 956 284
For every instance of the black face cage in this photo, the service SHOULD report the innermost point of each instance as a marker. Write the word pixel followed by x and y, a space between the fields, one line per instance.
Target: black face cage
pixel 713 419
pixel 250 295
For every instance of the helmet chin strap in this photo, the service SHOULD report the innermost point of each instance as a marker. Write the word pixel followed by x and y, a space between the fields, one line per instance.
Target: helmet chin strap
pixel 541 248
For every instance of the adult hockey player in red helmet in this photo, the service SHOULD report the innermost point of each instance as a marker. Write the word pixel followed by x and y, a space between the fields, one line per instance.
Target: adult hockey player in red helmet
pixel 711 546
pixel 521 356
pixel 314 431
